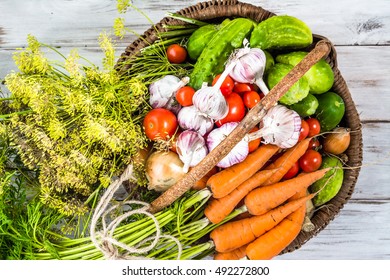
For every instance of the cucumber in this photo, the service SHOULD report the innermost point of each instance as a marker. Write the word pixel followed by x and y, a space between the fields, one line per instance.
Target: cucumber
pixel 281 32
pixel 200 38
pixel 306 107
pixel 213 57
pixel 330 111
pixel 329 185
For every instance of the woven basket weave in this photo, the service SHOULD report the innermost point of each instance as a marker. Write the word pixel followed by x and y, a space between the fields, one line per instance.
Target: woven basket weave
pixel 216 11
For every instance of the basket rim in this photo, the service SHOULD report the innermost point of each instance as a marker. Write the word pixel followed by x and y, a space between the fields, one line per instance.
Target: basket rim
pixel 211 10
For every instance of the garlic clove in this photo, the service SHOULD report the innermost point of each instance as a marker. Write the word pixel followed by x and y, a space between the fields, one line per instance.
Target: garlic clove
pixel 191 148
pixel 280 126
pixel 190 118
pixel 237 154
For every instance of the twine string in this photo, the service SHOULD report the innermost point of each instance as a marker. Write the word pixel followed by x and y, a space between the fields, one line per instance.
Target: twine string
pixel 104 240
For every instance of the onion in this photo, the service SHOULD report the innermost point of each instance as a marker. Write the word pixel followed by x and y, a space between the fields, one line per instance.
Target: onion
pixel 163 170
pixel 337 141
pixel 237 154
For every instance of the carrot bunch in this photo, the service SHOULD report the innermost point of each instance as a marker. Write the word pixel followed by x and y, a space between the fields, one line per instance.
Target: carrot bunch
pixel 277 208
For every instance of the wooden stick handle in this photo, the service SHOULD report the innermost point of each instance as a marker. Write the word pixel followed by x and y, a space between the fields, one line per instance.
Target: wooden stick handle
pixel 252 118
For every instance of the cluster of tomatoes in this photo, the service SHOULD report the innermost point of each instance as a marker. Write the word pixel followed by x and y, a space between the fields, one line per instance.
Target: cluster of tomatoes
pixel 240 98
pixel 311 159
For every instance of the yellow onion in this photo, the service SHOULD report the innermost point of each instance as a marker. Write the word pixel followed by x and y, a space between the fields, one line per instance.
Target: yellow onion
pixel 337 141
pixel 163 170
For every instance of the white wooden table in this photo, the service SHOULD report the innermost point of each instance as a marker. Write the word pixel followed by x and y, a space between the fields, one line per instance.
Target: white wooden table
pixel 360 31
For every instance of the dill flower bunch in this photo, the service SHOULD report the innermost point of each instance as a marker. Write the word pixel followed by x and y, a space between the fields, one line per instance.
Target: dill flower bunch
pixel 77 125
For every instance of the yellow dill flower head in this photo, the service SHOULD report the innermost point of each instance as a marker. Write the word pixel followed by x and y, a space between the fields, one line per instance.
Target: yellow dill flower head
pixel 108 48
pixel 119 27
pixel 56 129
pixel 73 67
pixel 123 5
pixel 31 60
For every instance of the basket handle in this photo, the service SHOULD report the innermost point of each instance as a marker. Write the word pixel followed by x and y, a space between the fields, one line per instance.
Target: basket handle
pixel 252 118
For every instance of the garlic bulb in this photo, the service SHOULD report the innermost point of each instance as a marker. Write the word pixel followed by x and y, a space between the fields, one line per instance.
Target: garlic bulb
pixel 280 126
pixel 249 66
pixel 210 102
pixel 162 91
pixel 190 118
pixel 191 148
pixel 237 154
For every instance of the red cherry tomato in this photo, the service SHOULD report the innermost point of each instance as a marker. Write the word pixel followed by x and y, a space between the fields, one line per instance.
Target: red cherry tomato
pixel 173 141
pixel 304 130
pixel 176 54
pixel 314 143
pixel 292 172
pixel 314 127
pixel 241 88
pixel 160 123
pixel 236 109
pixel 251 98
pixel 254 144
pixel 227 85
pixel 310 161
pixel 184 95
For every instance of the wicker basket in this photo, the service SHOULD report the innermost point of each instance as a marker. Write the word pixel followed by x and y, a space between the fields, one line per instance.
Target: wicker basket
pixel 216 11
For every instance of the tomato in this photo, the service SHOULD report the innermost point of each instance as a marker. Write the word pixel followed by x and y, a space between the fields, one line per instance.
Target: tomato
pixel 314 127
pixel 254 144
pixel 227 85
pixel 241 88
pixel 184 95
pixel 236 109
pixel 310 161
pixel 292 172
pixel 304 130
pixel 176 54
pixel 314 143
pixel 251 98
pixel 160 123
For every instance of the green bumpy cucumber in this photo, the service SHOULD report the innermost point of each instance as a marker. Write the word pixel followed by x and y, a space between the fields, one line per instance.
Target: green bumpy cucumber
pixel 281 32
pixel 330 111
pixel 213 57
pixel 306 107
pixel 329 185
pixel 320 76
pixel 200 38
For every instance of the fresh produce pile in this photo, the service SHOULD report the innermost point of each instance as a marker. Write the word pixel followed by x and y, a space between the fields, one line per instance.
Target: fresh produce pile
pixel 69 130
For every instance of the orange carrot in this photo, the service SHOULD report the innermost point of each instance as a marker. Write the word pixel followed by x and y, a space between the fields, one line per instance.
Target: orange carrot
pixel 219 208
pixel 278 238
pixel 286 161
pixel 236 254
pixel 274 241
pixel 230 178
pixel 265 198
pixel 202 183
pixel 233 235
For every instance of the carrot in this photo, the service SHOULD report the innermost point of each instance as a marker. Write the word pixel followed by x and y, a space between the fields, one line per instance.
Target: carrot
pixel 201 184
pixel 233 235
pixel 236 254
pixel 286 161
pixel 274 241
pixel 230 178
pixel 219 208
pixel 265 198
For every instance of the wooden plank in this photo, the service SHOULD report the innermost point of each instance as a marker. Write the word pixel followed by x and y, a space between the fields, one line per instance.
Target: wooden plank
pixel 78 23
